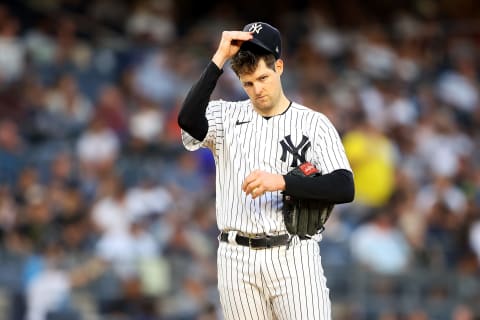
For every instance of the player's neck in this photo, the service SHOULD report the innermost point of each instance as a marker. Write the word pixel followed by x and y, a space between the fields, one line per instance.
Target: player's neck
pixel 285 110
pixel 283 105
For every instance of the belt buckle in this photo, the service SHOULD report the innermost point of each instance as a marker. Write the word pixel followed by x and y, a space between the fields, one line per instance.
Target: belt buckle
pixel 266 246
pixel 250 244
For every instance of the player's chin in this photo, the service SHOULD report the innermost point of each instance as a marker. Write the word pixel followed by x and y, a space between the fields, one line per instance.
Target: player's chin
pixel 263 104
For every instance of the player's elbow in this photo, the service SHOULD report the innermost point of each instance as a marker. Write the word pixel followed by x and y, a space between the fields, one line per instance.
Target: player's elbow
pixel 184 121
pixel 197 128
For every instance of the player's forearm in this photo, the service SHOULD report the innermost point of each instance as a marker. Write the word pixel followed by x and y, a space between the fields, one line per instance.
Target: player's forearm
pixel 334 187
pixel 192 115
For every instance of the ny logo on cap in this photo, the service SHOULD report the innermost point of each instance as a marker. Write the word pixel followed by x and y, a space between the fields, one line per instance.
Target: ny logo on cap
pixel 256 27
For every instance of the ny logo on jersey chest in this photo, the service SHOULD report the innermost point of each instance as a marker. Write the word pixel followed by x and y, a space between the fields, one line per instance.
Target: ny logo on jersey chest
pixel 297 151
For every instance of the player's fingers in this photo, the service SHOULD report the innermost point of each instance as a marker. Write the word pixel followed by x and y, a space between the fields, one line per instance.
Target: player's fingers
pixel 245 184
pixel 257 192
pixel 237 35
pixel 249 187
pixel 252 188
pixel 234 39
pixel 256 188
pixel 249 180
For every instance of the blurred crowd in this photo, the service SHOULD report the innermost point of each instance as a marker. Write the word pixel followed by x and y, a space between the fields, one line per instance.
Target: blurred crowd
pixel 104 215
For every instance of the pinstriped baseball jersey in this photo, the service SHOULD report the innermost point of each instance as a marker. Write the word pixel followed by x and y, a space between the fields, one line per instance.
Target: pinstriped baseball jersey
pixel 242 141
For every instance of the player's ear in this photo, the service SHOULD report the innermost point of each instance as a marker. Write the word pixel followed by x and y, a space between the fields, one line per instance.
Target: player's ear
pixel 279 66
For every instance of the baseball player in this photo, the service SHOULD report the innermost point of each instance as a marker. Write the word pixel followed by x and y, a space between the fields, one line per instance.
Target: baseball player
pixel 263 271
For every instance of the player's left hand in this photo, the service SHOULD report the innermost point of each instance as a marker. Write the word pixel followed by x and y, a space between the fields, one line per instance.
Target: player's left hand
pixel 258 182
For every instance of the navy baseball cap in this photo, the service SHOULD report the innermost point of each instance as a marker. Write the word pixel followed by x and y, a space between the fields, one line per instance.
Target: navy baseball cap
pixel 265 36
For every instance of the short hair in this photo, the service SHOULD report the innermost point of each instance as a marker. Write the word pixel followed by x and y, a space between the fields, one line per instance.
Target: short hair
pixel 246 61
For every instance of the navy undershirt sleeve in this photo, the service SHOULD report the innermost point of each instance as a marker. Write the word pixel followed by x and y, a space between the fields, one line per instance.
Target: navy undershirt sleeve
pixel 192 114
pixel 335 187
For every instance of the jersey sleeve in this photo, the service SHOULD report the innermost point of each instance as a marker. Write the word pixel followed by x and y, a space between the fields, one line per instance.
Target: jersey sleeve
pixel 335 185
pixel 214 115
pixel 328 146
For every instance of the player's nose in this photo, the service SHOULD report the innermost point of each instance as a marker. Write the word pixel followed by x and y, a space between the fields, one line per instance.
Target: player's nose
pixel 258 88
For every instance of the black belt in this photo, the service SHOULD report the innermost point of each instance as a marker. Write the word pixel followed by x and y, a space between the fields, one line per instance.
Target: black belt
pixel 258 242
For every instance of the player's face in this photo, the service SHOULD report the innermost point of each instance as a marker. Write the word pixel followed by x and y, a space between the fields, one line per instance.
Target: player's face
pixel 264 88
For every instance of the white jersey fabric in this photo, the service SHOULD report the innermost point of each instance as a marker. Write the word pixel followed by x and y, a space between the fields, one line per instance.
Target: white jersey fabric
pixel 242 141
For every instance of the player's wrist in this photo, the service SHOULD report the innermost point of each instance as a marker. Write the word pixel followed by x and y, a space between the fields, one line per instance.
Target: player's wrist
pixel 219 60
pixel 281 183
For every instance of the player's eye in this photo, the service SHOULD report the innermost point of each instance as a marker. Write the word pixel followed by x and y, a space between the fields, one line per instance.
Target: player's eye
pixel 247 84
pixel 263 78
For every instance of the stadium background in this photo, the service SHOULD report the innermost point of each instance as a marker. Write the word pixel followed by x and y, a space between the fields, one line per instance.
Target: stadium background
pixel 103 215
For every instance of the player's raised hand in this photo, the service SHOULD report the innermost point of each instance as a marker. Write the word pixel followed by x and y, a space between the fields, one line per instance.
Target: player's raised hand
pixel 258 182
pixel 229 45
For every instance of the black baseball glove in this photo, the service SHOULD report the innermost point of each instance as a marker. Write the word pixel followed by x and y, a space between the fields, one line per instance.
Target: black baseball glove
pixel 305 217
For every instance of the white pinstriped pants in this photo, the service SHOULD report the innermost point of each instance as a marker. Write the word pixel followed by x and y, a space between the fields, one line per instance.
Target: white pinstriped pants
pixel 276 283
